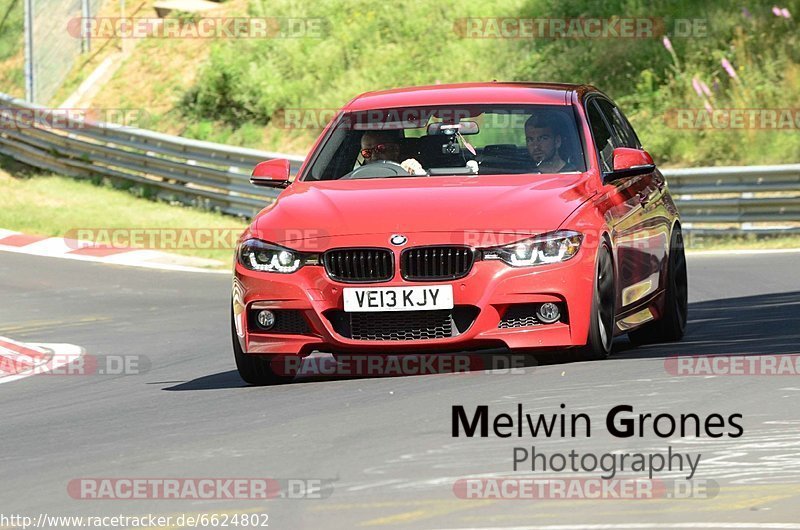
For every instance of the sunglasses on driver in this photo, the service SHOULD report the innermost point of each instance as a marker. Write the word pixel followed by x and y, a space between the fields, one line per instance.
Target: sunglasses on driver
pixel 379 149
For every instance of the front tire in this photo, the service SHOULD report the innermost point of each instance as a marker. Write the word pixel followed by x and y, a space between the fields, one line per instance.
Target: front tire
pixel 255 369
pixel 672 325
pixel 601 322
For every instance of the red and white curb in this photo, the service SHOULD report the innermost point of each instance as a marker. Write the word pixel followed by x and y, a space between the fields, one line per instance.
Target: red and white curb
pixel 19 360
pixel 59 247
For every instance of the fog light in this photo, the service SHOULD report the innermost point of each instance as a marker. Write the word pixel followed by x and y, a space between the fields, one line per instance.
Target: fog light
pixel 548 313
pixel 266 319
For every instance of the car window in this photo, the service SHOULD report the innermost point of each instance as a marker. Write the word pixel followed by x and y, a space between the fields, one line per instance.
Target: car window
pixel 620 126
pixel 603 138
pixel 631 131
pixel 488 139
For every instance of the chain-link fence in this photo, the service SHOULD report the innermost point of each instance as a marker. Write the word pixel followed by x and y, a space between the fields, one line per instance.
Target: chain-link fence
pixel 54 42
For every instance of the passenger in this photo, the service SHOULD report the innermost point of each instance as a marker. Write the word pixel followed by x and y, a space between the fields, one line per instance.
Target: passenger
pixel 543 140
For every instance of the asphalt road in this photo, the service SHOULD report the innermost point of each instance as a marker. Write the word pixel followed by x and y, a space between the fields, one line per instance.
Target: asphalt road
pixel 385 441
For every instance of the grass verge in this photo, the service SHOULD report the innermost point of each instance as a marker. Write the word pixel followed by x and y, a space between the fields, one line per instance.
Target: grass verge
pixel 698 243
pixel 55 206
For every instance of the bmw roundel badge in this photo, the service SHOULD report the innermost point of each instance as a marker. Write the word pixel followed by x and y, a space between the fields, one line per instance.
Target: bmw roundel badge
pixel 398 240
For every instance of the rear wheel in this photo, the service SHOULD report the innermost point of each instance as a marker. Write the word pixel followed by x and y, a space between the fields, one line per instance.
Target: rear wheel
pixel 672 324
pixel 255 369
pixel 601 323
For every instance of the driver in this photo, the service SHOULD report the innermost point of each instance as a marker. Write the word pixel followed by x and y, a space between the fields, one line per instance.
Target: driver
pixel 381 145
pixel 543 140
pixel 385 145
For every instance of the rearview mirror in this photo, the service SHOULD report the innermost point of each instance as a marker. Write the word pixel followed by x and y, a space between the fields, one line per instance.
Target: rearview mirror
pixel 629 162
pixel 271 173
pixel 462 127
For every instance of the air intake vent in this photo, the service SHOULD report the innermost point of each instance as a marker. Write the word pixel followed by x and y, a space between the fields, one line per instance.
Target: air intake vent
pixel 403 325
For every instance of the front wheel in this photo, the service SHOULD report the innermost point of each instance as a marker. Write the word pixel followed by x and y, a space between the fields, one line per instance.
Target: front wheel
pixel 255 369
pixel 601 322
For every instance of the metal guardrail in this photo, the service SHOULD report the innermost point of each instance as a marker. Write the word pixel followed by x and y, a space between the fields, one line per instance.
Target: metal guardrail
pixel 216 176
pixel 193 172
pixel 728 195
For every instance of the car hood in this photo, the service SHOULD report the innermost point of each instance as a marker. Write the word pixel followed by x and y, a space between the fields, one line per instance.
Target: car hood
pixel 495 204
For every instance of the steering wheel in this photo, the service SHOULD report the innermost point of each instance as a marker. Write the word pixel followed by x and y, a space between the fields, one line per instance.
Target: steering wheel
pixel 377 169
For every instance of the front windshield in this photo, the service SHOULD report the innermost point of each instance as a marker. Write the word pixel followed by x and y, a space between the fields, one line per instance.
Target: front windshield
pixel 450 140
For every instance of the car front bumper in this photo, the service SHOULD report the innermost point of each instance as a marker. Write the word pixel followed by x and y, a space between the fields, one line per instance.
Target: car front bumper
pixel 487 294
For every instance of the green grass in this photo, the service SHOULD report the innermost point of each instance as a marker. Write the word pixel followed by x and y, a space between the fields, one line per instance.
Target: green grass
pixel 242 89
pixel 246 84
pixel 741 242
pixel 11 27
pixel 12 74
pixel 365 46
pixel 56 206
pixel 48 205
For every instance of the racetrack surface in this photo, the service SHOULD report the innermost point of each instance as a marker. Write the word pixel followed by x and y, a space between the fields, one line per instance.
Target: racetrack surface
pixel 386 441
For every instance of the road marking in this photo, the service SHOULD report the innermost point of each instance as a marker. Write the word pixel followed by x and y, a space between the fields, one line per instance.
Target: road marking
pixel 637 526
pixel 32 326
pixel 427 512
pixel 115 261
pixel 19 360
pixel 59 247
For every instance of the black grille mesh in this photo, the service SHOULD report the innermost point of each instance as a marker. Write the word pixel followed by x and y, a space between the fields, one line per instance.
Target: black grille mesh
pixel 520 316
pixel 436 263
pixel 360 265
pixel 287 321
pixel 401 325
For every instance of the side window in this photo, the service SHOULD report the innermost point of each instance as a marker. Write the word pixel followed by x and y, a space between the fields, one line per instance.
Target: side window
pixel 603 138
pixel 622 129
pixel 631 132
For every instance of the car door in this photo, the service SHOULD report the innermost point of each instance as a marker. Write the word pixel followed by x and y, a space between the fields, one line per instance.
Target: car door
pixel 654 233
pixel 625 212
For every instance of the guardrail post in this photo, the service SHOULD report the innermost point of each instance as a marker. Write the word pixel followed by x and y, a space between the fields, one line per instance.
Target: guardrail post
pixel 86 37
pixel 30 86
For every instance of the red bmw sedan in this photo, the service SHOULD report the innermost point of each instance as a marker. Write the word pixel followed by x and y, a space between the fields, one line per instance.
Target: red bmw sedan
pixel 461 217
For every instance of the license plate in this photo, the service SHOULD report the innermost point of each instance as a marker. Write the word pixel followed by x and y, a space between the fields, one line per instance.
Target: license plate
pixel 417 298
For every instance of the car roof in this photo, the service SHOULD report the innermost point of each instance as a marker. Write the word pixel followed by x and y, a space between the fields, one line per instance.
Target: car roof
pixel 469 94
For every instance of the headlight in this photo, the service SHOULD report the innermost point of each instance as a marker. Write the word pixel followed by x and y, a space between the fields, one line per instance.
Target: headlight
pixel 258 255
pixel 554 247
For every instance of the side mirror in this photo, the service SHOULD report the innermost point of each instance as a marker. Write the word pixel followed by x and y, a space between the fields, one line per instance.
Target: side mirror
pixel 629 162
pixel 271 173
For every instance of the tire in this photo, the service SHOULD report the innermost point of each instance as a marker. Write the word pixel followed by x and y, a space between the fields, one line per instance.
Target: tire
pixel 255 369
pixel 672 325
pixel 601 322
